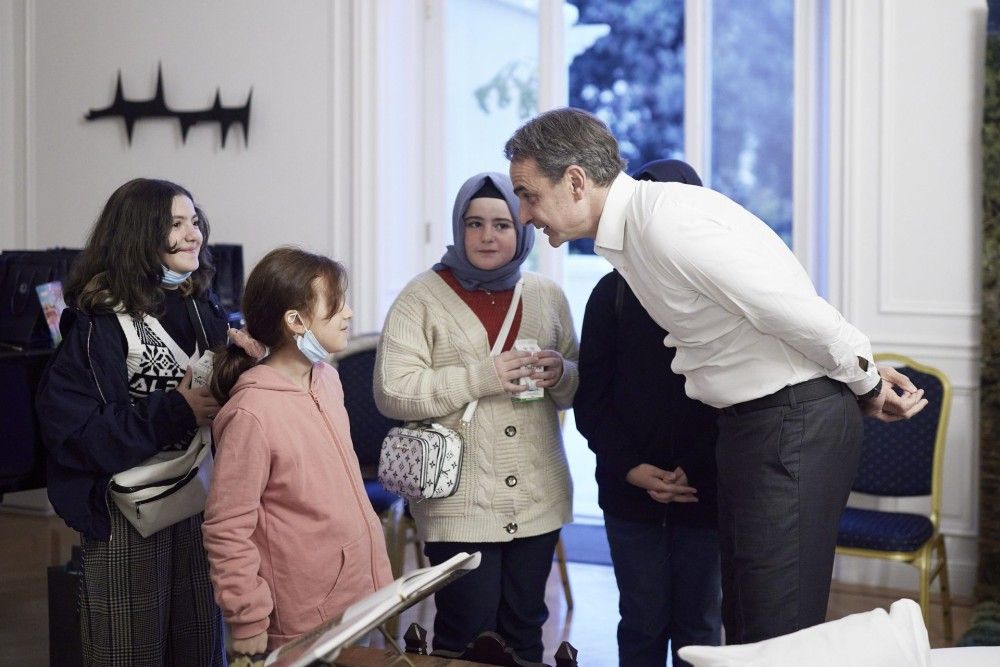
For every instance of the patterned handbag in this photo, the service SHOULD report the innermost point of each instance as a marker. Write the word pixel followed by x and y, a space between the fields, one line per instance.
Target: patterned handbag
pixel 421 460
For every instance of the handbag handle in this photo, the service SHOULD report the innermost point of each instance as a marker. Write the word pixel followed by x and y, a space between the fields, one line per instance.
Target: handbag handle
pixel 498 345
pixel 199 328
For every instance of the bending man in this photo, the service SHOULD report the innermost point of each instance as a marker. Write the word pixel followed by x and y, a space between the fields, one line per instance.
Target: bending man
pixel 790 375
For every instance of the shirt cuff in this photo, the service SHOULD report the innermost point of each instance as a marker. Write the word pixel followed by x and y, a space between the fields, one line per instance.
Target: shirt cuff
pixel 867 383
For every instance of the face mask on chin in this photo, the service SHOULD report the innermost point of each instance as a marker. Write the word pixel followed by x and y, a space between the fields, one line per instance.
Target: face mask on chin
pixel 310 346
pixel 171 278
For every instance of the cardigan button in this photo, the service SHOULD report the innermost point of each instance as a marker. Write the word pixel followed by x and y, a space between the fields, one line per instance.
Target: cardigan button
pixel 510 431
pixel 511 480
pixel 511 528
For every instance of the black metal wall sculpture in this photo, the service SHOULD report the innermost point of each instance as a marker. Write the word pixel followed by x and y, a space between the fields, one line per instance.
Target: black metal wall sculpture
pixel 132 111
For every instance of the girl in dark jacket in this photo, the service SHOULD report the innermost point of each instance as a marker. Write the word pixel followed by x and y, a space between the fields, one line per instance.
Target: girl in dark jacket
pixel 107 405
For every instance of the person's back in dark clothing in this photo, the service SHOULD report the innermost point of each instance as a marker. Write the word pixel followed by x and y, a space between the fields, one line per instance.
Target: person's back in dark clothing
pixel 633 410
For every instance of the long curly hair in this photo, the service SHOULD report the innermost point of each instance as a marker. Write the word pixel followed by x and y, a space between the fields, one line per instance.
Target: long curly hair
pixel 121 265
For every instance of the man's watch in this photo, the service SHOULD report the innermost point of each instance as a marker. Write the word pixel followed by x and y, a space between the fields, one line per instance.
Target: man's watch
pixel 871 393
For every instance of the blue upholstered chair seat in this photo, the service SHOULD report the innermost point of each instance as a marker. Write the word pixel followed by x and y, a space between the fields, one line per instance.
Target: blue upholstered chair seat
pixel 883 531
pixel 381 499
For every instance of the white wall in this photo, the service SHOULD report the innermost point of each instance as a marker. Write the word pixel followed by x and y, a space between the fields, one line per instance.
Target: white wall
pixel 307 174
pixel 906 212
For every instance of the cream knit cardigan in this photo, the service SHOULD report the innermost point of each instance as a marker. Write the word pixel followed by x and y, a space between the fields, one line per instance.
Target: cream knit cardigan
pixel 433 359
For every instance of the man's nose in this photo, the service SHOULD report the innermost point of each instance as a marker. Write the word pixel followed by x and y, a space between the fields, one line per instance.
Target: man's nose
pixel 524 215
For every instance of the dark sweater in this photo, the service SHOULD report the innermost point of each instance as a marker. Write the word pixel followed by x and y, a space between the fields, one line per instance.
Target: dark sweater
pixel 632 409
pixel 91 427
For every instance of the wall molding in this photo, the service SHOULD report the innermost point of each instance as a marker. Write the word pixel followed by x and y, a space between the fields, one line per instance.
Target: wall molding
pixel 888 303
pixel 340 156
pixel 365 220
pixel 434 136
pixel 891 306
pixel 697 88
pixel 912 347
pixel 808 140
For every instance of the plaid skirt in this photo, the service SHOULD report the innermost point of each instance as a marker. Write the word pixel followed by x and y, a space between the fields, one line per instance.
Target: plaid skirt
pixel 148 601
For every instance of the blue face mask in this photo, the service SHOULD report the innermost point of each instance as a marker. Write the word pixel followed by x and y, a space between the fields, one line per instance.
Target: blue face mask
pixel 311 347
pixel 171 278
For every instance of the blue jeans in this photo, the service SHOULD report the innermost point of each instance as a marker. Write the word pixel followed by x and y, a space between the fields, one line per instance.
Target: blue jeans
pixel 669 589
pixel 505 594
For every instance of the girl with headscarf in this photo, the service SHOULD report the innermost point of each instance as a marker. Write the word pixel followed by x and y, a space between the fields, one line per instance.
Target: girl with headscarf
pixel 434 358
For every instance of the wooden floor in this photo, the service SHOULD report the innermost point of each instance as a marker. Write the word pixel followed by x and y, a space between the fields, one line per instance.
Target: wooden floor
pixel 31 543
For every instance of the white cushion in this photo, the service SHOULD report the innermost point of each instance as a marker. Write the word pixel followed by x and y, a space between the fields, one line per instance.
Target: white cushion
pixel 875 638
pixel 966 656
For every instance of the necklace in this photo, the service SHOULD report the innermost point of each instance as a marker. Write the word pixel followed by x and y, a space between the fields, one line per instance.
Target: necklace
pixel 493 300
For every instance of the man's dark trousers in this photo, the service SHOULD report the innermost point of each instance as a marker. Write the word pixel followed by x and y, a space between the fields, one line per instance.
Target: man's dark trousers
pixel 785 472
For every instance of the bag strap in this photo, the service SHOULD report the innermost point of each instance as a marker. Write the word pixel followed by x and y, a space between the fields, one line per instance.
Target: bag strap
pixel 498 345
pixel 199 327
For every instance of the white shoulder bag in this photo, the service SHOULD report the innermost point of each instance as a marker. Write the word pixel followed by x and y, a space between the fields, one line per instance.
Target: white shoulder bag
pixel 173 485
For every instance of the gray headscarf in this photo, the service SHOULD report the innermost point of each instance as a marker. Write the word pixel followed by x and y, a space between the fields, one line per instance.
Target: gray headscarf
pixel 454 258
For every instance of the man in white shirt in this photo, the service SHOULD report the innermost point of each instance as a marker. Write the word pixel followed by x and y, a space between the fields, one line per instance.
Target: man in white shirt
pixel 753 339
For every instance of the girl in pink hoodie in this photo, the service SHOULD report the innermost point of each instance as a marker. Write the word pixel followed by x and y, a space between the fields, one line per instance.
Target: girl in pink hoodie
pixel 291 537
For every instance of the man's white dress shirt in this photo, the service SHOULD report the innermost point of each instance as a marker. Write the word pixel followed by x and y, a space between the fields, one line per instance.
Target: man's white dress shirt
pixel 738 306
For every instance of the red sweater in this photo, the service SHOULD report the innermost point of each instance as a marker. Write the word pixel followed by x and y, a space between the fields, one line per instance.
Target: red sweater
pixel 490 307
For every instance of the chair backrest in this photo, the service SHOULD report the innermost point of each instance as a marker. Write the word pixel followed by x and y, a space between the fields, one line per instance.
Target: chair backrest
pixel 904 458
pixel 356 365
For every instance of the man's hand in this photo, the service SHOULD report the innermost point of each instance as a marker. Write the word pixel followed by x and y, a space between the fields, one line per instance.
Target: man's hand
pixel 663 486
pixel 203 404
pixel 890 406
pixel 548 368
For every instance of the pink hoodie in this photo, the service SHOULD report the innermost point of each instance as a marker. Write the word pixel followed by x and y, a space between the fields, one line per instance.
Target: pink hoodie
pixel 291 536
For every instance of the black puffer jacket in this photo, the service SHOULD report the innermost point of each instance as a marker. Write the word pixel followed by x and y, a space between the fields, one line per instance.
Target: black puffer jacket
pixel 91 427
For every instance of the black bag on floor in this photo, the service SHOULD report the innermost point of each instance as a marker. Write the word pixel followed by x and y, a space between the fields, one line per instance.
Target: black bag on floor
pixel 64 614
pixel 22 457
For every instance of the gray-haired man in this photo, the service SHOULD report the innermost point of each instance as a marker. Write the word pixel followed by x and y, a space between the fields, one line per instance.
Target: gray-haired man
pixel 789 374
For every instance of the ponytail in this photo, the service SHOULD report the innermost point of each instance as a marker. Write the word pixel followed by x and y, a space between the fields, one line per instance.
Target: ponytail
pixel 231 361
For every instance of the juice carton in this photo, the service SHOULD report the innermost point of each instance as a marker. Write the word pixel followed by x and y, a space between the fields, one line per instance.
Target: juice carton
pixel 533 392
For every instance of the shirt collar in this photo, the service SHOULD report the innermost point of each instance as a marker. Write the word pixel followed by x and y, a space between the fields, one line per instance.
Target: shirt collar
pixel 611 227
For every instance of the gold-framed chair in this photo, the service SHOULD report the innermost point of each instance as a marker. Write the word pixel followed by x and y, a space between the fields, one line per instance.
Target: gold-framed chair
pixel 902 459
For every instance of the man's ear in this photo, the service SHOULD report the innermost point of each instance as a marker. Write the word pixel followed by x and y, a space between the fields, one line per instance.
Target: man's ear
pixel 576 177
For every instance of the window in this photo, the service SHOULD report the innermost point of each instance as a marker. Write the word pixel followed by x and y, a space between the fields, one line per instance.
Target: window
pixel 751 107
pixel 490 87
pixel 632 78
